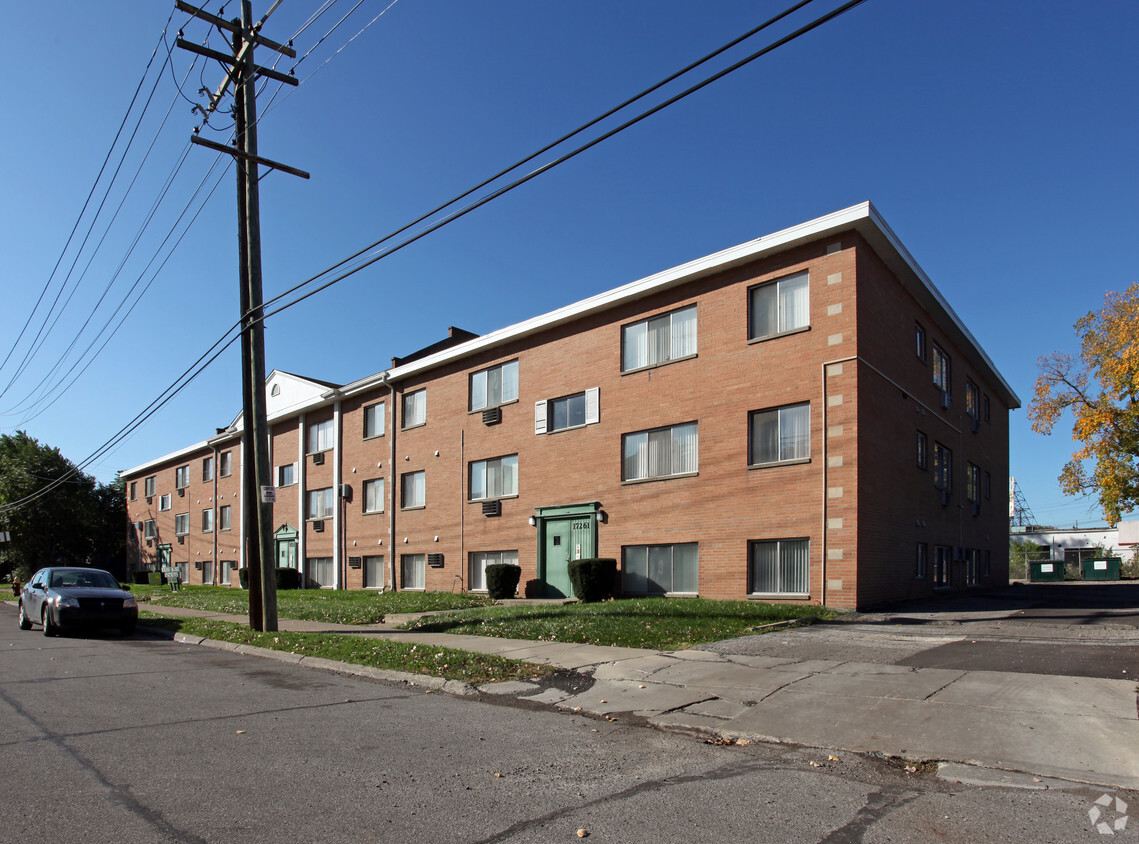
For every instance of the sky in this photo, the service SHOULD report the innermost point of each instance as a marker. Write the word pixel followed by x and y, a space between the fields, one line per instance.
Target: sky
pixel 997 139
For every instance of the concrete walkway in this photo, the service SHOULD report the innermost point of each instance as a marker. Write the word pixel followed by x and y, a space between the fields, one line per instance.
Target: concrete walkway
pixel 1084 729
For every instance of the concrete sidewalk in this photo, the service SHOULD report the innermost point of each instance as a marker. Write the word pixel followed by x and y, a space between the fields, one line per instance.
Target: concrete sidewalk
pixel 1084 729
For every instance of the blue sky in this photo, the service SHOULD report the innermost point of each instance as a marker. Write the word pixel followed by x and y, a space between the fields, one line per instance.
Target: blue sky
pixel 998 139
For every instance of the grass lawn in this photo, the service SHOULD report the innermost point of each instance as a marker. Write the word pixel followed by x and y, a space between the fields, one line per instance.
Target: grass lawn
pixel 448 663
pixel 336 607
pixel 657 623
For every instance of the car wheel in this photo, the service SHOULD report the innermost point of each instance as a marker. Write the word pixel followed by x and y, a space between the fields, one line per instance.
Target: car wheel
pixel 25 622
pixel 49 626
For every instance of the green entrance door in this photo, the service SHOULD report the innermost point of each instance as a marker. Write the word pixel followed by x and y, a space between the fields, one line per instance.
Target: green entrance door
pixel 164 551
pixel 285 540
pixel 564 533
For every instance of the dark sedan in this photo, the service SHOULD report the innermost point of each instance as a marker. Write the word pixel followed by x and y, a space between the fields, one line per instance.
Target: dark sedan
pixel 76 598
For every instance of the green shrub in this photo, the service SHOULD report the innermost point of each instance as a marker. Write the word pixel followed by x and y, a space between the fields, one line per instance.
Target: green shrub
pixel 593 579
pixel 155 578
pixel 502 580
pixel 288 578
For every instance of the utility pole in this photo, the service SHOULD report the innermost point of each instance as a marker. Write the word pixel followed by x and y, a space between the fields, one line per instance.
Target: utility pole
pixel 258 490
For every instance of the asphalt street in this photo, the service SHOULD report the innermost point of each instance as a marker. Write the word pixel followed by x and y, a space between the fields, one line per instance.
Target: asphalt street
pixel 148 740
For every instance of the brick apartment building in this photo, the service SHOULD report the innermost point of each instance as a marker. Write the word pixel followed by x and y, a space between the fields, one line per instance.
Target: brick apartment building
pixel 800 418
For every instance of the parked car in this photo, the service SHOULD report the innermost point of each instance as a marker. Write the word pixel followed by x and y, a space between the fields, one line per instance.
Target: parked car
pixel 76 598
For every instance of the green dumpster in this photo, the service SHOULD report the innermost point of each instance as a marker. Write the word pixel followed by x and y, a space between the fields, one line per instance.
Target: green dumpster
pixel 1104 569
pixel 1045 572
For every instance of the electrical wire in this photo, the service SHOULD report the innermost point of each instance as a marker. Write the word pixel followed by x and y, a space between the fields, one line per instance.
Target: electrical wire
pixel 223 343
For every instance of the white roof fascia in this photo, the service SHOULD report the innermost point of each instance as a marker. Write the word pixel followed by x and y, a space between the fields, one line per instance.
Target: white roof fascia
pixel 168 458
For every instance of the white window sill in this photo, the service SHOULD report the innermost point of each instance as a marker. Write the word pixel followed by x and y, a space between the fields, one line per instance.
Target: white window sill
pixel 777 335
pixel 798 462
pixel 652 366
pixel 779 596
pixel 473 411
pixel 661 478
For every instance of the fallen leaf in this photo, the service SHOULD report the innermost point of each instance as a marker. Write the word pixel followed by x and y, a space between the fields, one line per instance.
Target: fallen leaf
pixel 603 700
pixel 581 833
pixel 239 732
pixel 743 741
pixel 815 764
pixel 498 774
pixel 576 709
pixel 833 759
pixel 641 686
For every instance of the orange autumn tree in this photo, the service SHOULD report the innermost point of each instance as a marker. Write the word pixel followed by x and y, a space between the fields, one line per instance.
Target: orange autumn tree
pixel 1101 389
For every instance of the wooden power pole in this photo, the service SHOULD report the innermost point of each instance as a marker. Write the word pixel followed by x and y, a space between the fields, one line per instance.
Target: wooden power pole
pixel 257 486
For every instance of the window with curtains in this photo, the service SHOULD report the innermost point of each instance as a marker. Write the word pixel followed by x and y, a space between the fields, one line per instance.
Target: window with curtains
pixel 164 502
pixel 779 567
pixel 574 411
pixel 780 435
pixel 134 490
pixel 919 342
pixel 318 572
pixel 413 489
pixel 922 451
pixel 287 474
pixel 972 402
pixel 374 496
pixel 661 569
pixel 207 521
pixel 942 468
pixel 150 529
pixel 225 464
pixel 972 483
pixel 320 503
pixel 494 386
pixel 495 478
pixel 412 571
pixel 659 339
pixel 922 560
pixel 374 571
pixel 660 453
pixel 182 477
pixel 374 420
pixel 207 469
pixel 148 486
pixel 182 524
pixel 479 560
pixel 224 517
pixel 779 307
pixel 941 375
pixel 415 409
pixel 320 436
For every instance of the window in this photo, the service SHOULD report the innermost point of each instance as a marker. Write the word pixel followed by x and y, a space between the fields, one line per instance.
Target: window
pixel 134 490
pixel 779 307
pixel 942 468
pixel 658 340
pixel 479 560
pixel 941 371
pixel 922 451
pixel 320 503
pixel 374 572
pixel 207 521
pixel 987 410
pixel 150 529
pixel 374 496
pixel 223 517
pixel 919 340
pixel 922 560
pixel 164 502
pixel 988 487
pixel 182 477
pixel 972 483
pixel 207 572
pixel 287 474
pixel 411 571
pixel 494 386
pixel 415 409
pixel 182 524
pixel 495 478
pixel 661 569
pixel 779 567
pixel 568 412
pixel 318 572
pixel 972 566
pixel 660 453
pixel 225 464
pixel 413 489
pixel 943 554
pixel 780 435
pixel 207 469
pixel 320 435
pixel 374 420
pixel 227 567
pixel 972 402
pixel 148 486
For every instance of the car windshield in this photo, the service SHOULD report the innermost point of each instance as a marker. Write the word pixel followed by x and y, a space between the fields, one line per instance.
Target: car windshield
pixel 89 579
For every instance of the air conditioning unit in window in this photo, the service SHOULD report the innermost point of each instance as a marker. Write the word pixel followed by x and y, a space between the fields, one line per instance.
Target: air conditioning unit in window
pixel 150 543
pixel 346 492
pixel 492 508
pixel 198 565
pixel 945 498
pixel 976 508
pixel 435 561
pixel 150 499
pixel 318 458
pixel 318 526
pixel 181 492
pixel 976 424
pixel 138 526
pixel 181 540
pixel 945 399
pixel 492 416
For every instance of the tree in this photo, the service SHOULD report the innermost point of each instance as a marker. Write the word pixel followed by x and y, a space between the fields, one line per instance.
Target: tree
pixel 67 523
pixel 1106 415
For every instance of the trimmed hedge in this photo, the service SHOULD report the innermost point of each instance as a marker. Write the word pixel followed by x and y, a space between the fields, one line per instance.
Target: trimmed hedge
pixel 286 578
pixel 593 579
pixel 502 580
